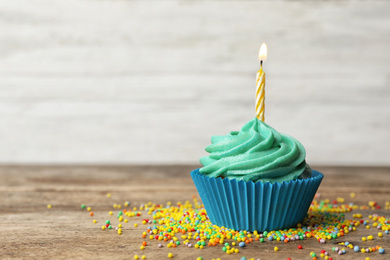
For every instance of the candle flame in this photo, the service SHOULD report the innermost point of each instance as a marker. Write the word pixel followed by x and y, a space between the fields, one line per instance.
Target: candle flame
pixel 263 52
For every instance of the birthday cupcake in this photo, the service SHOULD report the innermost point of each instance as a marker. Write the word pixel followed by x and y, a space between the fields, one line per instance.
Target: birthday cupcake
pixel 256 179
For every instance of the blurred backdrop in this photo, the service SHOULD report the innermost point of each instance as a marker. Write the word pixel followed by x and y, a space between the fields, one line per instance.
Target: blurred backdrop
pixel 149 82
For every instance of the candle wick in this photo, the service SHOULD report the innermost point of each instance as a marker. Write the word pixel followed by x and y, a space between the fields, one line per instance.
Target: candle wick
pixel 261 63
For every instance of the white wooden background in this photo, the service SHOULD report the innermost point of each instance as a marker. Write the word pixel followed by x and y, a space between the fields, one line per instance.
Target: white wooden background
pixel 101 81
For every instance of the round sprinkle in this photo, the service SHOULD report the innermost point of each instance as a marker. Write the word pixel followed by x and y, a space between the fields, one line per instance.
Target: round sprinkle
pixel 82 206
pixel 170 255
pixel 108 222
pixel 381 251
pixel 356 248
pixel 276 248
pixel 108 195
pixel 300 247
pixel 49 206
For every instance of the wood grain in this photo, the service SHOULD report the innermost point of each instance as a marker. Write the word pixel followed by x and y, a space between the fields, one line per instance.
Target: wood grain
pixel 29 230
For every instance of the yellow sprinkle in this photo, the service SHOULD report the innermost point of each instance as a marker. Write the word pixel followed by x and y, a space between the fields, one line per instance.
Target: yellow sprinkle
pixel 143 257
pixel 353 195
pixel 380 234
pixel 136 257
pixel 110 213
pixel 142 247
pixel 276 248
pixel 135 225
pixel 49 206
pixel 108 195
pixel 126 220
pixel 89 208
pixel 170 255
pixel 103 227
pixel 94 221
pixel 119 225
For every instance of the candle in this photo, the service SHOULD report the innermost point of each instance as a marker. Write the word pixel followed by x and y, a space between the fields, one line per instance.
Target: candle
pixel 260 84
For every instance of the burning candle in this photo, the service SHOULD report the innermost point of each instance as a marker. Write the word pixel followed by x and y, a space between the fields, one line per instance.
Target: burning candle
pixel 260 84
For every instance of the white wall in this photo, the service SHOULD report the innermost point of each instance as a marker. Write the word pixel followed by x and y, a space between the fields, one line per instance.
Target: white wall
pixel 150 81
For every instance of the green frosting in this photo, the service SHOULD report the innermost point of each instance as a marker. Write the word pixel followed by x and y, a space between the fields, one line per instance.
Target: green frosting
pixel 256 153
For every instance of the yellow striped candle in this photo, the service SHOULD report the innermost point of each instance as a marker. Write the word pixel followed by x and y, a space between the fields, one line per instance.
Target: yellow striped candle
pixel 260 84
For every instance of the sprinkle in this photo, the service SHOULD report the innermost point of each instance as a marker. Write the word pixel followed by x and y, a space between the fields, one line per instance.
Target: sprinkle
pixel 276 248
pixel 82 206
pixel 381 251
pixel 108 195
pixel 299 247
pixel 49 206
pixel 170 255
pixel 356 248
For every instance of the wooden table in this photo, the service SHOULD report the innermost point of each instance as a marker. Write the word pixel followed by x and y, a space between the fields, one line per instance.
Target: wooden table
pixel 28 229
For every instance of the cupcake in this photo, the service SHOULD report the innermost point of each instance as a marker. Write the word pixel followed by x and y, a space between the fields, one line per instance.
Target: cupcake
pixel 256 179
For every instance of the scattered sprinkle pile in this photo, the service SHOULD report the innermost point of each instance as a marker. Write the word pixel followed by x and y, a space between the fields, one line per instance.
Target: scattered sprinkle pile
pixel 187 225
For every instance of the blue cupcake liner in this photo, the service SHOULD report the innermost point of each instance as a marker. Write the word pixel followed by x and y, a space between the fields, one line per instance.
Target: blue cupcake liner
pixel 257 206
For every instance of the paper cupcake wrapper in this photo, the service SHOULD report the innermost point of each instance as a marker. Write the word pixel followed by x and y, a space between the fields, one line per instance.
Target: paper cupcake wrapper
pixel 257 206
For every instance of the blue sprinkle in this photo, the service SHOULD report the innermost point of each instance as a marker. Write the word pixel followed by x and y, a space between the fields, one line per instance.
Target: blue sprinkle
pixel 381 251
pixel 356 249
pixel 344 251
pixel 346 243
pixel 270 238
pixel 243 258
pixel 387 231
pixel 241 244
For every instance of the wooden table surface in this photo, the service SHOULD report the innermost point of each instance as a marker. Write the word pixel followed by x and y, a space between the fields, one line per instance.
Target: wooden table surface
pixel 28 229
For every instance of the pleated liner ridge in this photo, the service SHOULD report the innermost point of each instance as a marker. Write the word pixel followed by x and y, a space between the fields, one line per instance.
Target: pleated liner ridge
pixel 257 206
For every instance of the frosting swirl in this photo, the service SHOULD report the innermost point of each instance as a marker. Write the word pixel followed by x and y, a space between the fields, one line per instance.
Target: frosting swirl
pixel 256 153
